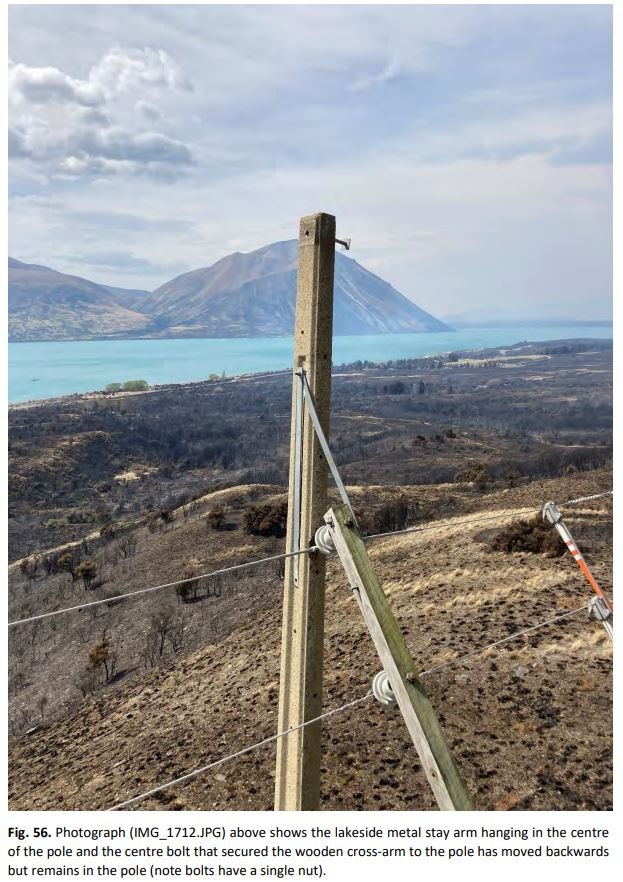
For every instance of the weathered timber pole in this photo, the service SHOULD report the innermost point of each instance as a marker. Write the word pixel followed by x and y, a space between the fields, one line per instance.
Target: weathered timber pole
pixel 297 784
pixel 439 767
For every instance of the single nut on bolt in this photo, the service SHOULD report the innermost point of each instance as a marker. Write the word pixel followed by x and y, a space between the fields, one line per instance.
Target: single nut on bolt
pixel 411 677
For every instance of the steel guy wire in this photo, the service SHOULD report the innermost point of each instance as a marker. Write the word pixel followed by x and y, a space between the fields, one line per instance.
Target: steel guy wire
pixel 456 661
pixel 245 750
pixel 114 599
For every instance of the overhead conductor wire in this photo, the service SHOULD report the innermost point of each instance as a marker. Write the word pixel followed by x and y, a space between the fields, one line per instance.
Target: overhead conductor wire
pixel 231 756
pixel 242 566
pixel 275 557
pixel 336 710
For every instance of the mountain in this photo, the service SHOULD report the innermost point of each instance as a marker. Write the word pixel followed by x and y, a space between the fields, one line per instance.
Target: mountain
pixel 128 297
pixel 254 295
pixel 242 295
pixel 48 305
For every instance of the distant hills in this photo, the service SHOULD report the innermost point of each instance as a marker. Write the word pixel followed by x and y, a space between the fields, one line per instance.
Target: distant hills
pixel 242 295
pixel 488 317
pixel 48 305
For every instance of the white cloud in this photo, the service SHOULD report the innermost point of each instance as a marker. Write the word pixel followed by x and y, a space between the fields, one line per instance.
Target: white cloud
pixel 389 70
pixel 437 135
pixel 69 124
pixel 122 71
pixel 150 111
pixel 116 73
pixel 44 85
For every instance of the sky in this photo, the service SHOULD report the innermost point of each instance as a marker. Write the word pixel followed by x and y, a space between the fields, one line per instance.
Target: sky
pixel 466 150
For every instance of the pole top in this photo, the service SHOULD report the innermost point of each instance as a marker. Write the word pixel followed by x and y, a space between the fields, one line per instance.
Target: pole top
pixel 319 227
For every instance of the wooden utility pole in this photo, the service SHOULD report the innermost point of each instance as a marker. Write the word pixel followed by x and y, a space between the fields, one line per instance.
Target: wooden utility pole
pixel 297 785
pixel 418 713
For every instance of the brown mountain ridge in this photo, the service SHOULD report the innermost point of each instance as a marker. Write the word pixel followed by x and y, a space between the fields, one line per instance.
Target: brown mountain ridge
pixel 241 295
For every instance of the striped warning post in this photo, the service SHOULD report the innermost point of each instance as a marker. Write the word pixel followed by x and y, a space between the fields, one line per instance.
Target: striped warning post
pixel 552 515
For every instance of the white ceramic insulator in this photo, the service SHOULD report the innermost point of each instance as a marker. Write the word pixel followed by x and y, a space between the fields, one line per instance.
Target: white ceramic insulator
pixel 323 540
pixel 382 689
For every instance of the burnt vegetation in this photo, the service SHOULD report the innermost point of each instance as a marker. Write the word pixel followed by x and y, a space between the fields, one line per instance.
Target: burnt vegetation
pixel 496 417
pixel 266 520
pixel 114 493
pixel 534 535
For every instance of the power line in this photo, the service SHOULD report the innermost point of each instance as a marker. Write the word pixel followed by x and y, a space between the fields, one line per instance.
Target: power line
pixel 337 710
pixel 586 498
pixel 501 514
pixel 434 526
pixel 456 661
pixel 242 566
pixel 231 756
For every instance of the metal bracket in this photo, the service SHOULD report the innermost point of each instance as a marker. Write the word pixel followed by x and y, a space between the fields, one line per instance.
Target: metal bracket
pixel 311 406
pixel 597 609
pixel 344 242
pixel 298 474
pixel 551 513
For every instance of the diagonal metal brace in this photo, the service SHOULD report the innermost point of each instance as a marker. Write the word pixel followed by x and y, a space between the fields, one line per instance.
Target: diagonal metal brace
pixel 295 544
pixel 311 407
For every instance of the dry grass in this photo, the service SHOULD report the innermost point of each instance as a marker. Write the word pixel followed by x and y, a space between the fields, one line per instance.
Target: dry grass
pixel 451 596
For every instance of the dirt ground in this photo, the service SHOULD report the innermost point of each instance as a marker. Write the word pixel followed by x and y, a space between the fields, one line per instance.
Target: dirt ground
pixel 529 723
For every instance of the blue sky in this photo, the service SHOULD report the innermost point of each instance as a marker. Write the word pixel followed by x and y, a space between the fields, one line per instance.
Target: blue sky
pixel 466 150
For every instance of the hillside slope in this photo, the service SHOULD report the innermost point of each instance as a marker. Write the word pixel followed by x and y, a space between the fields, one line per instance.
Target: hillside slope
pixel 48 305
pixel 522 721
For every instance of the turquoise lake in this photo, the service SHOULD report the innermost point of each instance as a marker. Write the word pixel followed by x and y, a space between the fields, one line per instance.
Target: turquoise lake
pixel 47 370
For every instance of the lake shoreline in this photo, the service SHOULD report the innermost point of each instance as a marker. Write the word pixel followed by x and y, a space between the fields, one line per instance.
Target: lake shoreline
pixel 455 327
pixel 99 394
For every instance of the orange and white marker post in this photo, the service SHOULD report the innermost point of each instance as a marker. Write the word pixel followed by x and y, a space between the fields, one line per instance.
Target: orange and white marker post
pixel 601 607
